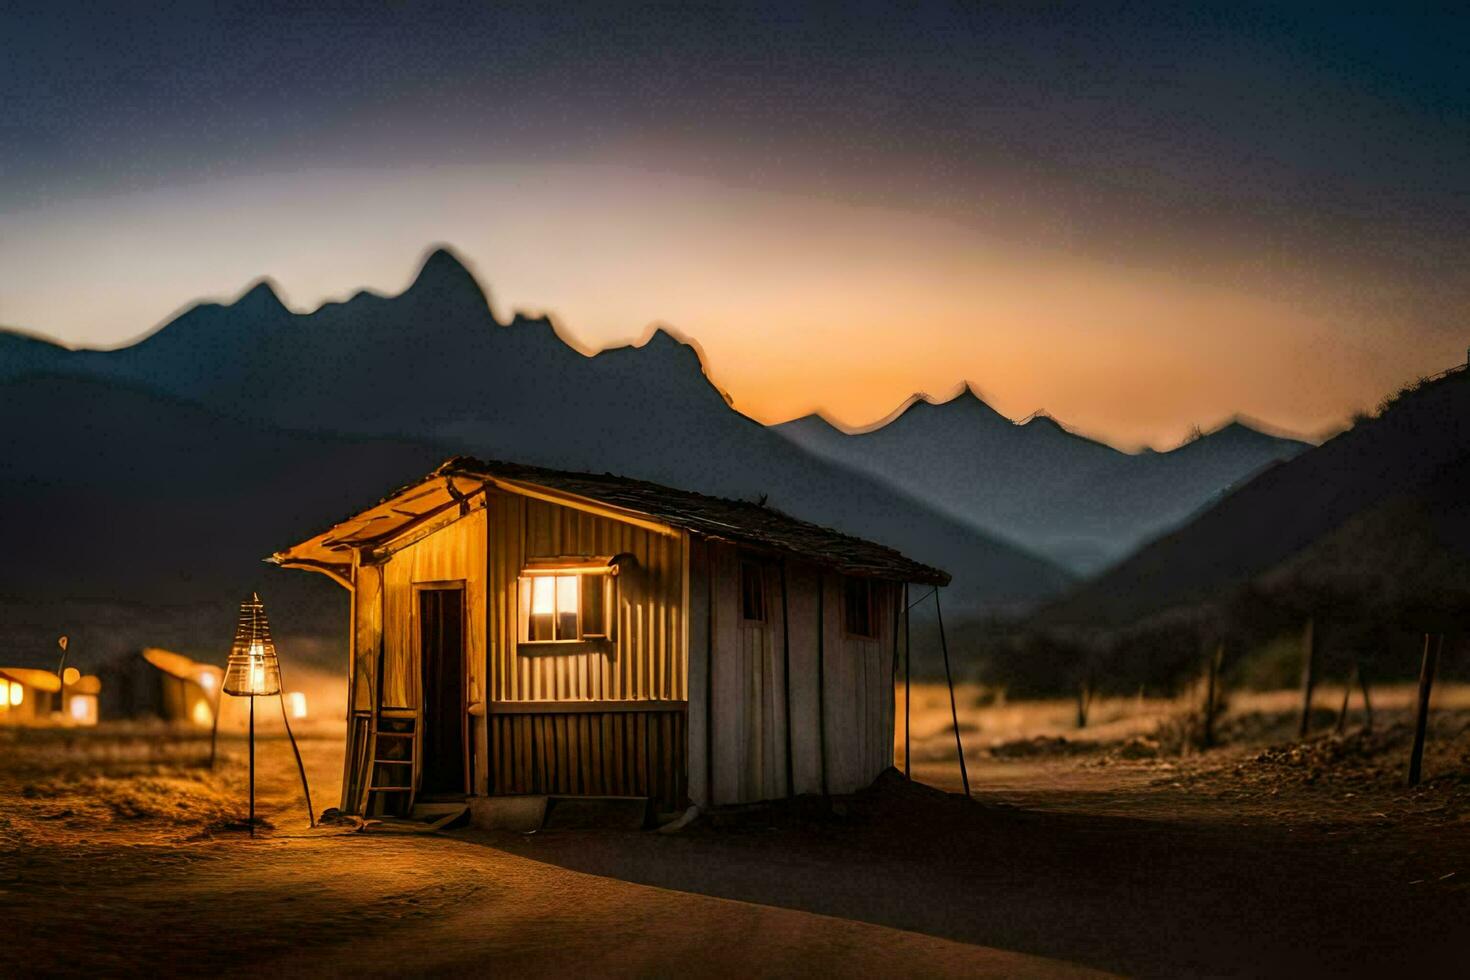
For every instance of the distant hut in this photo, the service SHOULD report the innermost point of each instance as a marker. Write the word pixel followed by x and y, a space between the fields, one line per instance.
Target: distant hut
pixel 27 695
pixel 154 683
pixel 518 630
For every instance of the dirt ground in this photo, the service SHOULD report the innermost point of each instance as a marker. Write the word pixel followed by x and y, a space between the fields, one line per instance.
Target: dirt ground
pixel 121 854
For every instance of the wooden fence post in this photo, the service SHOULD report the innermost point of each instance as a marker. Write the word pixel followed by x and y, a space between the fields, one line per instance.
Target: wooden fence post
pixel 1309 673
pixel 1421 717
pixel 1367 700
pixel 1347 692
pixel 1212 681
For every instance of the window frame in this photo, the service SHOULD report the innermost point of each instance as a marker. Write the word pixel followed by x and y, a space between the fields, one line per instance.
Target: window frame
pixel 758 567
pixel 604 573
pixel 871 611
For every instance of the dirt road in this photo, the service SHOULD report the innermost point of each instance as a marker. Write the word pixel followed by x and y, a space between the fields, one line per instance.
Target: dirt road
pixel 121 863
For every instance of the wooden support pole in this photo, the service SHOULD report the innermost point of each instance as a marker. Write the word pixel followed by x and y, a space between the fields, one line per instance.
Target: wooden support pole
pixel 822 676
pixel 1421 716
pixel 1212 683
pixel 709 678
pixel 893 670
pixel 786 679
pixel 908 663
pixel 1309 674
pixel 953 712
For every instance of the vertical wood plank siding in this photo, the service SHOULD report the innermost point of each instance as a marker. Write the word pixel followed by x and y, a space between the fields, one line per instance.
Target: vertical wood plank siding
pixel 748 688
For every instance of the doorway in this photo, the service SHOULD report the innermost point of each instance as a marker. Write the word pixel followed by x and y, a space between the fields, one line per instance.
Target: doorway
pixel 445 762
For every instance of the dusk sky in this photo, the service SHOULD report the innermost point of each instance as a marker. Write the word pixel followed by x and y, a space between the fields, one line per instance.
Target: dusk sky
pixel 1136 220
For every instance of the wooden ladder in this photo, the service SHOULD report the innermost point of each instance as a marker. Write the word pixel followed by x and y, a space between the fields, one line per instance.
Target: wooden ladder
pixel 393 744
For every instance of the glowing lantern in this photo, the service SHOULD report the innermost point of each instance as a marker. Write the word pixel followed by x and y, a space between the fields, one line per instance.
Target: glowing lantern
pixel 253 671
pixel 70 676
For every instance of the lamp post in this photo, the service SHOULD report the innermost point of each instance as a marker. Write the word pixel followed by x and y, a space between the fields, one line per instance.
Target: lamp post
pixel 62 642
pixel 252 671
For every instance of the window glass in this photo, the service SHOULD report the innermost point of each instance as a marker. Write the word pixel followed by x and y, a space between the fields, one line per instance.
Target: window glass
pixel 859 614
pixel 567 607
pixel 543 608
pixel 594 608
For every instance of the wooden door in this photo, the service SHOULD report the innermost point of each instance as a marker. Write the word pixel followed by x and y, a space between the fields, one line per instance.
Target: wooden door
pixel 444 739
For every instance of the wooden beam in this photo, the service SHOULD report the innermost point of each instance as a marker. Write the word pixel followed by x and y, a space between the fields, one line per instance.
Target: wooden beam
pixel 647 706
pixel 341 574
pixel 586 504
pixel 385 546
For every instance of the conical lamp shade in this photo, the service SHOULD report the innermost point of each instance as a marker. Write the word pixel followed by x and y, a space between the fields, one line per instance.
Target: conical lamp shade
pixel 253 670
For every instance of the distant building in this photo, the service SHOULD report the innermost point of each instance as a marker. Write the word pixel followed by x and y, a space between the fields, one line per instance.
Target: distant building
pixel 524 631
pixel 161 684
pixel 29 696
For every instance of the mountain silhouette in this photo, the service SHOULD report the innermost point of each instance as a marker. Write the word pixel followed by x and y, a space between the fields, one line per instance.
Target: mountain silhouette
pixel 310 415
pixel 1372 514
pixel 1082 503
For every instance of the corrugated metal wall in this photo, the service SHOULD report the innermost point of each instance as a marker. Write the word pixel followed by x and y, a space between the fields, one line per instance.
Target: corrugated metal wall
pixel 647 657
pixel 592 753
pixel 745 692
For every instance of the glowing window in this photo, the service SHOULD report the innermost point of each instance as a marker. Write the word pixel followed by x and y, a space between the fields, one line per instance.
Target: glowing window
pixel 17 694
pixel 83 709
pixel 565 607
pixel 201 715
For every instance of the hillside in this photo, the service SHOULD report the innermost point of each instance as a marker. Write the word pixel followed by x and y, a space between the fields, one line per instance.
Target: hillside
pixel 1369 492
pixel 1080 502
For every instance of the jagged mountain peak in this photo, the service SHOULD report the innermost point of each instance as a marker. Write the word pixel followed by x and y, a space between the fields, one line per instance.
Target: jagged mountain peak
pixel 444 277
pixel 1240 431
pixel 261 299
pixel 965 403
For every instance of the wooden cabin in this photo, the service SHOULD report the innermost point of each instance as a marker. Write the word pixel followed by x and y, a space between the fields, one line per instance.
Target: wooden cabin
pixel 526 631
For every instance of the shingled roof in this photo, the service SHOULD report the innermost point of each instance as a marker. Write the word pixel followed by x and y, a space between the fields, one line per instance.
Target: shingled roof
pixel 739 521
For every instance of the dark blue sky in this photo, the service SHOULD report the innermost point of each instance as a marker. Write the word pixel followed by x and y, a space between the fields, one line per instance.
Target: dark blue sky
pixel 1281 152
